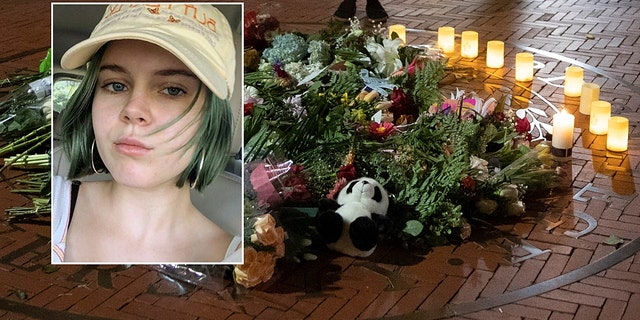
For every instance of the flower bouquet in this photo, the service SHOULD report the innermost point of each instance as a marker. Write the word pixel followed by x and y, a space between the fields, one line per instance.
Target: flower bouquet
pixel 348 103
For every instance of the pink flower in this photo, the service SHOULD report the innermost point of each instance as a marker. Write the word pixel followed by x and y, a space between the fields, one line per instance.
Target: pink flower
pixel 381 130
pixel 340 183
pixel 402 105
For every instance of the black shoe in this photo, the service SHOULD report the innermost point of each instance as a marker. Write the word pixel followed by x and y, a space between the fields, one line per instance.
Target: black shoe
pixel 345 11
pixel 376 12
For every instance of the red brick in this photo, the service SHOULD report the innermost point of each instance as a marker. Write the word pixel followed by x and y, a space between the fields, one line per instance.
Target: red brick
pixel 553 268
pixel 132 290
pixel 501 279
pixel 612 283
pixel 304 307
pixel 530 312
pixel 268 313
pixel 527 274
pixel 579 298
pixel 560 316
pixel 46 296
pixel 472 287
pixel 579 258
pixel 328 308
pixel 550 304
pixel 197 309
pixel 91 301
pixel 382 304
pixel 587 313
pixel 356 305
pixel 412 300
pixel 623 275
pixel 490 314
pixel 599 291
pixel 633 308
pixel 115 314
pixel 443 293
pixel 154 312
pixel 613 309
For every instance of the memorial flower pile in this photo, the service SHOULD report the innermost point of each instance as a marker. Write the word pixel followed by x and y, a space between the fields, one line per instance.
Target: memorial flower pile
pixel 349 103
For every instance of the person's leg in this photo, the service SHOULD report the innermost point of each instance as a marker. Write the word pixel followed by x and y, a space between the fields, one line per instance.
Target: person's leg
pixel 346 10
pixel 376 12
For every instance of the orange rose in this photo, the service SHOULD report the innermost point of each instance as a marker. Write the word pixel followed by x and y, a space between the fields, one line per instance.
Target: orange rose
pixel 265 231
pixel 258 267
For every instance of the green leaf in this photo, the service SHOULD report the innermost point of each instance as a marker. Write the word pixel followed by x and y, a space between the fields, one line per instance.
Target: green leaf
pixel 613 240
pixel 413 227
pixel 45 64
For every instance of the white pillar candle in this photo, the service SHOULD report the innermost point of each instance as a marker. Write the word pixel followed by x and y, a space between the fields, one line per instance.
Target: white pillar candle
pixel 618 134
pixel 469 44
pixel 524 66
pixel 573 79
pixel 590 92
pixel 400 30
pixel 562 132
pixel 446 39
pixel 495 54
pixel 600 114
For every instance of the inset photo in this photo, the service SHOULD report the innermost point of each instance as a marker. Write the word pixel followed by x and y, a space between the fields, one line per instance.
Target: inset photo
pixel 147 133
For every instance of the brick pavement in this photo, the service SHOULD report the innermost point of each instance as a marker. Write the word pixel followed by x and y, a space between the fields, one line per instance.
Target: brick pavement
pixel 395 283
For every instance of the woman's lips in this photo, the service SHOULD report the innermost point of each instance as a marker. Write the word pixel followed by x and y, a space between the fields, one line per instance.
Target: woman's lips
pixel 131 147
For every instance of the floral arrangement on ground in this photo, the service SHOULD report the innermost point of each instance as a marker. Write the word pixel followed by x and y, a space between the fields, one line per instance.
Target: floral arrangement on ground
pixel 323 109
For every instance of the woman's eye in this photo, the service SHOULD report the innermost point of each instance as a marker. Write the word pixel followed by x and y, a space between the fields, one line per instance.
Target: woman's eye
pixel 173 91
pixel 115 87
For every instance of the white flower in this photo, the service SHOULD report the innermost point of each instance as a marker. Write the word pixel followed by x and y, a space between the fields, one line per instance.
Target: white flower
pixel 480 165
pixel 386 55
pixel 251 94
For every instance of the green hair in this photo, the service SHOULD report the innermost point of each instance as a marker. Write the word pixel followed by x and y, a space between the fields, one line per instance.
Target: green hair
pixel 212 139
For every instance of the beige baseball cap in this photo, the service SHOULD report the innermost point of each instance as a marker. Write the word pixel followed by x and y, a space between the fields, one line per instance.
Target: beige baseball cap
pixel 197 34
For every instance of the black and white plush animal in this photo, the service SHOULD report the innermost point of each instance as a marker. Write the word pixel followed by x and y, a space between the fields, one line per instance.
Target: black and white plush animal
pixel 348 224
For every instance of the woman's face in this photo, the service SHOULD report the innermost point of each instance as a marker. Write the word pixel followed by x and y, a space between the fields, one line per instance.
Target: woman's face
pixel 142 87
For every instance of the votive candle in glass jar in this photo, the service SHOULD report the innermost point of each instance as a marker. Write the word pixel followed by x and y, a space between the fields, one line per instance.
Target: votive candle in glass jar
pixel 524 66
pixel 590 92
pixel 562 132
pixel 469 44
pixel 495 54
pixel 600 114
pixel 446 39
pixel 400 30
pixel 573 79
pixel 618 134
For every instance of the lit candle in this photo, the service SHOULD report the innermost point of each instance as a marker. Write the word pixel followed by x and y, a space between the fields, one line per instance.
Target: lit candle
pixel 495 54
pixel 469 44
pixel 562 132
pixel 524 66
pixel 590 92
pixel 600 114
pixel 618 135
pixel 400 30
pixel 446 39
pixel 573 79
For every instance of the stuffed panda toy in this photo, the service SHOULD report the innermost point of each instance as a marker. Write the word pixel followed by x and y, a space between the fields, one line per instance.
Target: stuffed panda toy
pixel 349 224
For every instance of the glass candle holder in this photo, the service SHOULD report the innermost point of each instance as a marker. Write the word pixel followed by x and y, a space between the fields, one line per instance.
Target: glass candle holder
pixel 590 92
pixel 562 132
pixel 573 80
pixel 400 30
pixel 600 114
pixel 446 39
pixel 524 66
pixel 618 134
pixel 469 44
pixel 495 54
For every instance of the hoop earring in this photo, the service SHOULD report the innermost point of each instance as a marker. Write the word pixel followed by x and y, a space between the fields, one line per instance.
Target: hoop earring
pixel 93 166
pixel 193 184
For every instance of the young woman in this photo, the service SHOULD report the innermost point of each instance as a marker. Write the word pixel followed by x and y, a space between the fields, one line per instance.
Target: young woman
pixel 153 111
